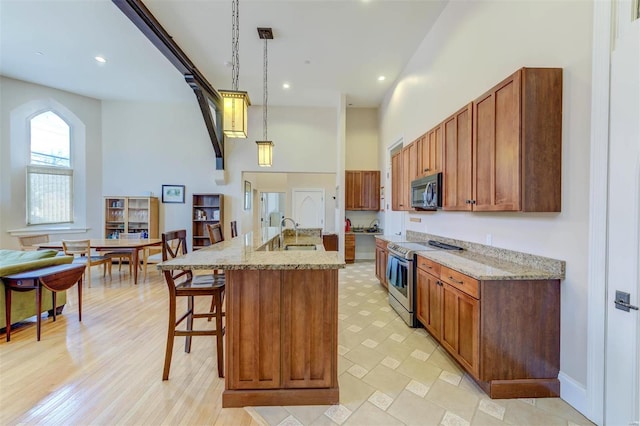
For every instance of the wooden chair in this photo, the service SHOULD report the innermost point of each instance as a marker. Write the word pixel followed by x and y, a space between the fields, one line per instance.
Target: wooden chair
pixel 215 233
pixel 81 251
pixel 234 229
pixel 182 283
pixel 27 242
pixel 124 254
pixel 151 255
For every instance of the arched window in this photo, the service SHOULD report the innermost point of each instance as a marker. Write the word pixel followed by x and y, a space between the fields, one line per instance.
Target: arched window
pixel 49 173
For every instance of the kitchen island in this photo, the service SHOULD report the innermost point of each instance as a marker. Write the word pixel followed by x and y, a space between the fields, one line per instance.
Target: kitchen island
pixel 281 317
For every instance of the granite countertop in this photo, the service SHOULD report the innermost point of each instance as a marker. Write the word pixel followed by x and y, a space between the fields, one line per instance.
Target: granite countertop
pixel 251 251
pixel 488 263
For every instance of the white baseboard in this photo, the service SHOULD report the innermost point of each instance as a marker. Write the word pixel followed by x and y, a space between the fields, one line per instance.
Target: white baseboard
pixel 573 393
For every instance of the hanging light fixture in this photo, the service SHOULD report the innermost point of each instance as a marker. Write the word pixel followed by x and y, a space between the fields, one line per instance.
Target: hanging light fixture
pixel 265 147
pixel 236 103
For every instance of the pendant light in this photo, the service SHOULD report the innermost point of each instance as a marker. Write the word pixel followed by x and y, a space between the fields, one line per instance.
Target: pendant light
pixel 236 103
pixel 265 147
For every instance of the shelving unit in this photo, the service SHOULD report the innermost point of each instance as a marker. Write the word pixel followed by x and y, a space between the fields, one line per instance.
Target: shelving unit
pixel 130 214
pixel 206 208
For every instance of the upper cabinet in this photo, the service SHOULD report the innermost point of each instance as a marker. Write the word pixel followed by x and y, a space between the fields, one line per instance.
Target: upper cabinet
pixel 517 143
pixel 457 131
pixel 430 152
pixel 362 190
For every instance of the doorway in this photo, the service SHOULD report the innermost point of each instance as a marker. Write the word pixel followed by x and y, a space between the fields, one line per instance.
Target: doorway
pixel 272 208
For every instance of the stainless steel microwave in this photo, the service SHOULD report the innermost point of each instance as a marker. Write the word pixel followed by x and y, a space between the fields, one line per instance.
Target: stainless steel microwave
pixel 426 192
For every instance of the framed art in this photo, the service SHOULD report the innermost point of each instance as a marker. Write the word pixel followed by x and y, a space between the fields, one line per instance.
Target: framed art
pixel 247 195
pixel 173 194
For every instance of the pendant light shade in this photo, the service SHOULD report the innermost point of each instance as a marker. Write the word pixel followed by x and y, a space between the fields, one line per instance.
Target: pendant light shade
pixel 265 153
pixel 236 103
pixel 236 106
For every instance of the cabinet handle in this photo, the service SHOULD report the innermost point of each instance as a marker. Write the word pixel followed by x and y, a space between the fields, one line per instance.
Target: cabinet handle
pixel 426 170
pixel 456 281
pixel 467 201
pixel 439 283
pixel 473 201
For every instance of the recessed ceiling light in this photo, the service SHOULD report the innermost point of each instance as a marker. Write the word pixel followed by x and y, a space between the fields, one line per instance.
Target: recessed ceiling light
pixel 285 85
pixel 39 53
pixel 381 78
pixel 100 59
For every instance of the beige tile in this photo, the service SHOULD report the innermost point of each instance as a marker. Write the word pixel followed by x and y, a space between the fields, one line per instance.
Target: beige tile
pixel 323 421
pixel 394 349
pixel 484 419
pixel 357 371
pixel 307 414
pixel 559 407
pixel 522 413
pixel 492 408
pixel 421 371
pixel 353 391
pixel 343 364
pixel 451 378
pixel 454 399
pixel 364 357
pixel 390 362
pixel 413 410
pixel 369 414
pixel 442 359
pixel 338 413
pixel 290 421
pixel 423 342
pixel 272 415
pixel 350 340
pixel 451 419
pixel 469 384
pixel 380 400
pixel 386 380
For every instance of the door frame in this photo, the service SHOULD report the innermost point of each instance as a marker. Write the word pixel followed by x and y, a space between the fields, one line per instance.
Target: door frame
pixel 389 212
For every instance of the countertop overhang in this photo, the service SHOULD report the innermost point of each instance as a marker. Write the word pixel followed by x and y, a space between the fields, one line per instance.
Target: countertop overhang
pixel 251 251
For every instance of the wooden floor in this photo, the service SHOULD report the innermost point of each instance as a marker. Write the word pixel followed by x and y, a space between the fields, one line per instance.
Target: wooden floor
pixel 108 369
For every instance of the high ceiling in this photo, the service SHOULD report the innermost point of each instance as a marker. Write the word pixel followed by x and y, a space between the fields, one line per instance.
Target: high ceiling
pixel 321 48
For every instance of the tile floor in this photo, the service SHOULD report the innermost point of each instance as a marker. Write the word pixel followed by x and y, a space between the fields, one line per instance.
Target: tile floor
pixel 391 374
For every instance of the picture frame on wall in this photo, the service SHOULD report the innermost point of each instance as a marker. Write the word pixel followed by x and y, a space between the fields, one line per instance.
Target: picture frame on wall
pixel 173 194
pixel 247 195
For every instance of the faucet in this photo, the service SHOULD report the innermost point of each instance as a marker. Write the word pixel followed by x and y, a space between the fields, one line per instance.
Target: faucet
pixel 375 224
pixel 295 227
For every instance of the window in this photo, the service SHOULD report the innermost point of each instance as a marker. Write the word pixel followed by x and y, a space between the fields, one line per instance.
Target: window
pixel 49 174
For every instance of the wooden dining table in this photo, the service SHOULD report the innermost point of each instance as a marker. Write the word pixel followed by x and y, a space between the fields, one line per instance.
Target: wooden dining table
pixel 107 244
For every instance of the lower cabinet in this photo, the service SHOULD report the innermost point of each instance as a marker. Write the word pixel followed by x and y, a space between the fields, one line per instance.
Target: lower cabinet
pixel 349 248
pixel 504 333
pixel 381 262
pixel 282 337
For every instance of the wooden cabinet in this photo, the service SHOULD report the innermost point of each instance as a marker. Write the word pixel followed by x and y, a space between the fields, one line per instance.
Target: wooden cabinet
pixel 206 208
pixel 457 132
pixel 517 143
pixel 330 242
pixel 505 333
pixel 429 152
pixel 130 214
pixel 396 182
pixel 282 337
pixel 429 296
pixel 362 190
pixel 349 248
pixel 381 261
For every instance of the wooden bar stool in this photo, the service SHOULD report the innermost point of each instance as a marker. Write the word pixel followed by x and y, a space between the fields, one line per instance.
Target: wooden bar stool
pixel 182 283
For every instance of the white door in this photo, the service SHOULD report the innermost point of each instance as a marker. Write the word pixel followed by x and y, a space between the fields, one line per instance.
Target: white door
pixel 622 372
pixel 308 208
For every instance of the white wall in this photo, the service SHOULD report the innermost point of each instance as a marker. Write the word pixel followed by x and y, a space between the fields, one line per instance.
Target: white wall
pixel 16 93
pixel 473 46
pixel 150 144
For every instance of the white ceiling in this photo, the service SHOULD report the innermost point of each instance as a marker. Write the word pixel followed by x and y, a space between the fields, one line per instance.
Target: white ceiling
pixel 321 48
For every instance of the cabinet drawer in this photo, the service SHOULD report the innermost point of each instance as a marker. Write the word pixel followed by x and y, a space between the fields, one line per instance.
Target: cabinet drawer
pixel 428 265
pixel 462 282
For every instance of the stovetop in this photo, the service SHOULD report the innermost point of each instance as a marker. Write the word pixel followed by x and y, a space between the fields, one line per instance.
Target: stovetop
pixel 409 248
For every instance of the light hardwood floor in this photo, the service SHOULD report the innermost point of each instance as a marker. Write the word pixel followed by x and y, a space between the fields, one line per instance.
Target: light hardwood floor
pixel 108 369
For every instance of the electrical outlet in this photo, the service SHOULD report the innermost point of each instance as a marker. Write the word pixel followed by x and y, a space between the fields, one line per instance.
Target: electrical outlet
pixel 489 239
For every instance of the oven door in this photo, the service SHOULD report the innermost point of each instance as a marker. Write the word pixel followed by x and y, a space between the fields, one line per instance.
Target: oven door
pixel 400 283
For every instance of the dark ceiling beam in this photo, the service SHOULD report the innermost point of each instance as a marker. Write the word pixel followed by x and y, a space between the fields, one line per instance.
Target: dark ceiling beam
pixel 142 18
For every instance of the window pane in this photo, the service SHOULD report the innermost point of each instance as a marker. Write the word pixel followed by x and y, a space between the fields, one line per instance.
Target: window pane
pixel 50 144
pixel 49 195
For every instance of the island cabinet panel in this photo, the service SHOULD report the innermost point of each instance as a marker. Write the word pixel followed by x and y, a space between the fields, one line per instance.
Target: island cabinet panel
pixel 309 329
pixel 381 261
pixel 281 337
pixel 254 325
pixel 460 327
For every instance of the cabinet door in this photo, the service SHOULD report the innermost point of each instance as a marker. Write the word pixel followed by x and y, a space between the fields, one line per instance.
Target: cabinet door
pixel 409 173
pixel 353 193
pixel 309 346
pixel 496 148
pixel 371 190
pixel 423 154
pixel 429 302
pixel 435 150
pixel 349 248
pixel 396 182
pixel 457 133
pixel 460 327
pixel 253 329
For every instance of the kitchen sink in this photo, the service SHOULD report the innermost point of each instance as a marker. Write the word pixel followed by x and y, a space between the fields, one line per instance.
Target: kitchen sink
pixel 300 247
